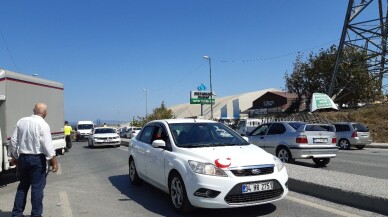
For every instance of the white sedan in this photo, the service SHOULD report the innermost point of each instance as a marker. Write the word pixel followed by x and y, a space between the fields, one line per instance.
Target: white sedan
pixel 200 167
pixel 104 136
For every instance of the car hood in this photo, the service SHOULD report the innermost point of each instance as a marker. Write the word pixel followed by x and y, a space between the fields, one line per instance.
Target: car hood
pixel 104 135
pixel 245 155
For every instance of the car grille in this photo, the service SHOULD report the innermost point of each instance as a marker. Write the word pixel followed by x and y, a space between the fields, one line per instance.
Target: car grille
pixel 236 197
pixel 253 171
pixel 105 138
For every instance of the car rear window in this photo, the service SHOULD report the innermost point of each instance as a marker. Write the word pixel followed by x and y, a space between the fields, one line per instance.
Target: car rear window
pixel 295 125
pixel 310 127
pixel 360 128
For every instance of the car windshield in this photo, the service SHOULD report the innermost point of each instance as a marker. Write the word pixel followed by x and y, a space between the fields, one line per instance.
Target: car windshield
pixel 193 135
pixel 85 126
pixel 104 130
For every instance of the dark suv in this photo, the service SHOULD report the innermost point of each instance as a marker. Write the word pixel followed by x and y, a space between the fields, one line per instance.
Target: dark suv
pixel 352 134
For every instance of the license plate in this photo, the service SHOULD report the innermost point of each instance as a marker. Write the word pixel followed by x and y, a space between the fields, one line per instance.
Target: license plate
pixel 320 140
pixel 256 187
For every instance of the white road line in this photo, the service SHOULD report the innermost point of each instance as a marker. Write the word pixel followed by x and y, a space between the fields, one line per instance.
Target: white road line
pixel 123 148
pixel 59 171
pixel 321 207
pixel 65 204
pixel 363 163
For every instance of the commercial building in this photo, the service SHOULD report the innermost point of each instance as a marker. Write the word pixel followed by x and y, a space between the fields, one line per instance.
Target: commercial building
pixel 234 107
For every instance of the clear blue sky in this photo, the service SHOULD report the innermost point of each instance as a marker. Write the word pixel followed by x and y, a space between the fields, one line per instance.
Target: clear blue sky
pixel 106 52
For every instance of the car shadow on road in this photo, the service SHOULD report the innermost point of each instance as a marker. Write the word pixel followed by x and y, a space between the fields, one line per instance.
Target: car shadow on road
pixel 99 147
pixel 8 178
pixel 156 201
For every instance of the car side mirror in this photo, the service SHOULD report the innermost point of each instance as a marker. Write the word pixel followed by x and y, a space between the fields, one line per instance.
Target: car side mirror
pixel 245 138
pixel 158 143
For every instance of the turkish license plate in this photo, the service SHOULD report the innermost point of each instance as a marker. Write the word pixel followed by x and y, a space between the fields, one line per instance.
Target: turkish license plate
pixel 319 140
pixel 256 187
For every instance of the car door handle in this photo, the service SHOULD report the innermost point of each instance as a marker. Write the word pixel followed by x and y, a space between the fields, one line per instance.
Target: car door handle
pixel 262 137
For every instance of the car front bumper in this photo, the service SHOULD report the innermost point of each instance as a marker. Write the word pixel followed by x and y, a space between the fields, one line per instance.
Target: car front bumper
pixel 103 143
pixel 230 193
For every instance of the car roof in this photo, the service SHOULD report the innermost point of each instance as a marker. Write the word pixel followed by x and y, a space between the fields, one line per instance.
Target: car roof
pixel 104 128
pixel 183 120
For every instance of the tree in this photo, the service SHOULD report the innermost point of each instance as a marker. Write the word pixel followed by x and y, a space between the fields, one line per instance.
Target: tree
pixel 157 113
pixel 354 84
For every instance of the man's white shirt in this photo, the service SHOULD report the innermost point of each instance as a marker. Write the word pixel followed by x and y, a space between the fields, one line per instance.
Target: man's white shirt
pixel 32 135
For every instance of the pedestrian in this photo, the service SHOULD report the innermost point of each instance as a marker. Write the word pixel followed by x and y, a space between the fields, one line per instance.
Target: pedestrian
pixel 67 128
pixel 31 147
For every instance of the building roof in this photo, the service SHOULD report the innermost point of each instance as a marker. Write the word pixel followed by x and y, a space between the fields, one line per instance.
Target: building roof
pixel 227 107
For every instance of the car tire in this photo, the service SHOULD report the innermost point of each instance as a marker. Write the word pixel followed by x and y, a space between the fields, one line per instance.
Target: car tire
pixel 321 162
pixel 132 172
pixel 284 154
pixel 359 147
pixel 178 195
pixel 344 144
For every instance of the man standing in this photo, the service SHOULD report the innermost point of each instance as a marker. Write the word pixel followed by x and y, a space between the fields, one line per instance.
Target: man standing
pixel 68 130
pixel 30 148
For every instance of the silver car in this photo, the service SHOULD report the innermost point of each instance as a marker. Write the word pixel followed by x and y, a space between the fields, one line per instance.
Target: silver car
pixel 293 140
pixel 352 134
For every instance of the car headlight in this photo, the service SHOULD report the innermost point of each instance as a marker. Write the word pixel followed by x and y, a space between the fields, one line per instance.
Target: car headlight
pixel 206 169
pixel 279 164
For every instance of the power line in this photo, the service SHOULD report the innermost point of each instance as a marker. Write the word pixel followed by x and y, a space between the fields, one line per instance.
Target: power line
pixel 9 52
pixel 275 57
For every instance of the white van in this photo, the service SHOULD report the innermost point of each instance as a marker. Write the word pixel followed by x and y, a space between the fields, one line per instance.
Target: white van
pixel 245 126
pixel 84 129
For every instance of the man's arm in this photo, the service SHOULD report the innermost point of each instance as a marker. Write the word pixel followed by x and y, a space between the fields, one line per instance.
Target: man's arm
pixel 54 164
pixel 13 145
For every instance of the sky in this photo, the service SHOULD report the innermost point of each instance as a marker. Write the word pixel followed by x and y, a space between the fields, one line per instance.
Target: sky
pixel 107 52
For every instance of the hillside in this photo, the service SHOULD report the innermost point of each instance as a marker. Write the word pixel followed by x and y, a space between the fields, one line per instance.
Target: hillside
pixel 373 116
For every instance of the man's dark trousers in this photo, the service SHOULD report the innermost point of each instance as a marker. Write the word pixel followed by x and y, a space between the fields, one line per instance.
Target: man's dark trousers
pixel 32 170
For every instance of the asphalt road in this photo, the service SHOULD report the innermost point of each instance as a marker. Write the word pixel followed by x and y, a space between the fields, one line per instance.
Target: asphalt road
pixel 94 182
pixel 371 162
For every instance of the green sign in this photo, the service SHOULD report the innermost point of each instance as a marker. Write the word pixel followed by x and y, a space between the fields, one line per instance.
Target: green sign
pixel 201 101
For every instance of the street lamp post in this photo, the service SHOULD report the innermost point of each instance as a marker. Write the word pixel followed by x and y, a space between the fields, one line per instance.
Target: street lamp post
pixel 211 88
pixel 146 91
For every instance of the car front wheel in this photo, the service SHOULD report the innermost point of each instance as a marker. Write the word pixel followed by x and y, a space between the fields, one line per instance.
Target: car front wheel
pixel 178 194
pixel 284 155
pixel 321 161
pixel 133 177
pixel 344 144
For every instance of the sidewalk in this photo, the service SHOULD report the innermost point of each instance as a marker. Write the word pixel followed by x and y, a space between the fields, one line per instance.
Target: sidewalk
pixel 377 145
pixel 353 190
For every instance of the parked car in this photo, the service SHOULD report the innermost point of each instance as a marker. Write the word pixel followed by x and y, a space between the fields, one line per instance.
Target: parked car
pixel 104 136
pixel 352 134
pixel 132 132
pixel 293 140
pixel 199 166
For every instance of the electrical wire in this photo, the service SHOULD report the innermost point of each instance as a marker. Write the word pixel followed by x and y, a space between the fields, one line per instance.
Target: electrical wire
pixel 275 57
pixel 9 52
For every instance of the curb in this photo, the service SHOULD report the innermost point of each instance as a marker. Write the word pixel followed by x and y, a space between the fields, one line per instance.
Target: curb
pixel 358 200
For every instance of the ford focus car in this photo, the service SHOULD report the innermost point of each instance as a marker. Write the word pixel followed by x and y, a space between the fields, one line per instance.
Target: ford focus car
pixel 202 163
pixel 103 136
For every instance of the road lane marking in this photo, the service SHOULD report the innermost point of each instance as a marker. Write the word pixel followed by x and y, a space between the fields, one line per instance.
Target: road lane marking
pixel 365 164
pixel 321 207
pixel 59 171
pixel 122 148
pixel 65 204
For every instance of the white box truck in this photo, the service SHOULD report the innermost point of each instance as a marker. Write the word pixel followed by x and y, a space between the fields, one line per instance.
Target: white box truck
pixel 84 130
pixel 18 95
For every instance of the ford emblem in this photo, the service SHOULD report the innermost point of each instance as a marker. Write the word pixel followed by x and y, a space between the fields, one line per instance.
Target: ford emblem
pixel 256 171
